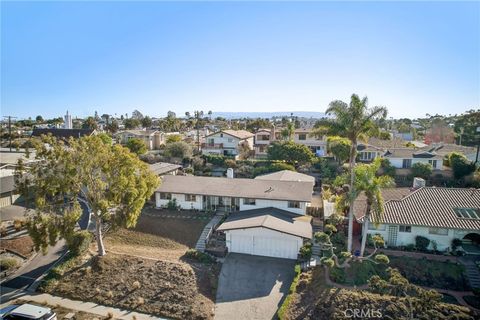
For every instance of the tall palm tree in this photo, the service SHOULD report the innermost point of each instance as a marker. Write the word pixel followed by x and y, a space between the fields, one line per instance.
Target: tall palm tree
pixel 355 121
pixel 366 181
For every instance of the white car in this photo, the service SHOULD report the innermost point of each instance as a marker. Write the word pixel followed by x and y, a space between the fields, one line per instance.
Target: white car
pixel 27 312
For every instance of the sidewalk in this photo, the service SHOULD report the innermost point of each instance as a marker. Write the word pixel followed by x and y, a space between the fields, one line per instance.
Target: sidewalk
pixel 89 307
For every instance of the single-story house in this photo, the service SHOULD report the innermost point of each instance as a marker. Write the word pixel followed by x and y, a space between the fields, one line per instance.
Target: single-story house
pixel 268 232
pixel 164 168
pixel 404 158
pixel 287 175
pixel 439 214
pixel 233 194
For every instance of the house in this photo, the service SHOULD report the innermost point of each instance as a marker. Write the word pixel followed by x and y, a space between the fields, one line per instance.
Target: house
pixel 264 137
pixel 233 194
pixel 227 142
pixel 267 231
pixel 8 192
pixel 287 175
pixel 164 168
pixel 63 134
pixel 153 138
pixel 439 214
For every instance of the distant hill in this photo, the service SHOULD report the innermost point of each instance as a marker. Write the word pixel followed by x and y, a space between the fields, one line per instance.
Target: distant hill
pixel 239 115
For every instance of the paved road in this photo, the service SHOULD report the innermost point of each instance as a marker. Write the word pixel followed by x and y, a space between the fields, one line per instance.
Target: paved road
pixel 252 287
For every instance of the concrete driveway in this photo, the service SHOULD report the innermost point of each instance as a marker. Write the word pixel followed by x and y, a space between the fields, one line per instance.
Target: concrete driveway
pixel 252 287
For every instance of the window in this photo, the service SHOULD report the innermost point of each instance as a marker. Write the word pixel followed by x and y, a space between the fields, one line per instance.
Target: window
pixel 249 201
pixel 190 197
pixel 221 135
pixel 433 163
pixel 438 231
pixel 407 163
pixel 165 196
pixel 468 213
pixel 380 227
pixel 293 204
pixel 302 136
pixel 405 228
pixel 230 140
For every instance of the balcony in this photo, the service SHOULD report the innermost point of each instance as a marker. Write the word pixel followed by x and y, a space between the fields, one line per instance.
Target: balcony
pixel 212 145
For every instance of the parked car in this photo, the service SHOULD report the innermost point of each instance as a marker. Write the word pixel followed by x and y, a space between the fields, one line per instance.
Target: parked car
pixel 27 312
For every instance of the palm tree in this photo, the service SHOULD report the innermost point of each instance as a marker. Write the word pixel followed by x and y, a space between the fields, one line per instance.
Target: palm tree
pixel 366 181
pixel 354 121
pixel 288 132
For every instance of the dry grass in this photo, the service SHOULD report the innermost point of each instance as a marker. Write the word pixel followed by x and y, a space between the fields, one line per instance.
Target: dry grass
pixel 22 245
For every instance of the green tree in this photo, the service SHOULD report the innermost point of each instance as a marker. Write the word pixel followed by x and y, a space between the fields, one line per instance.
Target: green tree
pixel 465 128
pixel 89 123
pixel 39 119
pixel 174 138
pixel 131 123
pixel 422 170
pixel 371 185
pixel 355 121
pixel 257 124
pixel 460 165
pixel 105 138
pixel 290 152
pixel 339 147
pixel 387 168
pixel 113 181
pixel 288 132
pixel 146 122
pixel 112 126
pixel 178 150
pixel 137 146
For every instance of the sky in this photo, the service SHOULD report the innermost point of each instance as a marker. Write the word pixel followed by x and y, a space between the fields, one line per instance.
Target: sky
pixel 115 57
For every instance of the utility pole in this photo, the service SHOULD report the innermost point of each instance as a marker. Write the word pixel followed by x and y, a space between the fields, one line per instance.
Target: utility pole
pixel 10 130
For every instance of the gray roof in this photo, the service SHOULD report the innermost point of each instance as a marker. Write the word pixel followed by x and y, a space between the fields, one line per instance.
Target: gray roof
pixel 238 188
pixel 270 218
pixel 410 153
pixel 434 207
pixel 161 168
pixel 62 133
pixel 286 175
pixel 7 184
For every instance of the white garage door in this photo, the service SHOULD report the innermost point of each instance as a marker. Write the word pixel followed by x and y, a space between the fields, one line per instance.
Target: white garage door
pixel 264 246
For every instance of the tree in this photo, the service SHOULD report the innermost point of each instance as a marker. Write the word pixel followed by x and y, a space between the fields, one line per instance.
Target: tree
pixel 460 165
pixel 387 168
pixel 105 138
pixel 112 127
pixel 339 147
pixel 290 152
pixel 288 132
pixel 244 150
pixel 257 124
pixel 131 123
pixel 422 170
pixel 174 138
pixel 137 115
pixel 180 150
pixel 137 146
pixel 465 128
pixel 39 119
pixel 114 183
pixel 146 122
pixel 366 181
pixel 90 123
pixel 355 121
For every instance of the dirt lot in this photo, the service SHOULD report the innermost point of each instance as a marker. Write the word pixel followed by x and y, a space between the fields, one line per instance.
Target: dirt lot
pixel 174 290
pixel 157 237
pixel 22 245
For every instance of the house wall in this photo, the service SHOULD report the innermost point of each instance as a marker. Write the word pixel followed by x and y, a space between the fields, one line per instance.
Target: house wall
pixel 265 203
pixel 405 238
pixel 398 162
pixel 188 205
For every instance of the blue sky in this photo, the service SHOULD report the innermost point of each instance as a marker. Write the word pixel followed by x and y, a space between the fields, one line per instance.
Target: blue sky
pixel 413 57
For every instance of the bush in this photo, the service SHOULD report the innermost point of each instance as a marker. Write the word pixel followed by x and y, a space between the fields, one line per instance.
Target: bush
pixel 293 288
pixel 199 256
pixel 136 285
pixel 217 160
pixel 230 163
pixel 273 167
pixel 172 204
pixel 410 247
pixel 8 263
pixel 180 150
pixel 421 243
pixel 422 170
pixel 456 243
pixel 78 243
pixel 306 251
pixel 19 224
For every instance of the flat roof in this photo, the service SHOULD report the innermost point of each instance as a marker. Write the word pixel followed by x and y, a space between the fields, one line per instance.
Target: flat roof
pixel 238 188
pixel 270 218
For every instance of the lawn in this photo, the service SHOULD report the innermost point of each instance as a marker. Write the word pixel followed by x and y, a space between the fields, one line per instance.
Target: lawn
pixel 435 274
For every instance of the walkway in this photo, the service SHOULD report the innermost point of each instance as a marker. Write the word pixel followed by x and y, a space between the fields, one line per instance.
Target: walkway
pixel 89 307
pixel 471 270
pixel 207 231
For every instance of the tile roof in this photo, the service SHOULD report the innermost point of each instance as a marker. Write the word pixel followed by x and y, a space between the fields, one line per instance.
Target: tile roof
pixel 433 207
pixel 270 218
pixel 360 204
pixel 240 134
pixel 237 188
pixel 286 175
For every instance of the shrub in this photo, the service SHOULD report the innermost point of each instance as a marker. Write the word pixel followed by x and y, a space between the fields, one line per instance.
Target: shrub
pixel 136 285
pixel 421 243
pixel 180 150
pixel 3 232
pixel 109 294
pixel 199 256
pixel 306 251
pixel 217 160
pixel 8 263
pixel 19 224
pixel 460 165
pixel 456 243
pixel 78 243
pixel 273 167
pixel 422 170
pixel 140 301
pixel 172 204
pixel 410 247
pixel 230 163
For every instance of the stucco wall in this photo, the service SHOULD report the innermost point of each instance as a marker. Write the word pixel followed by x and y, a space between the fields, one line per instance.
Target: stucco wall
pixel 188 205
pixel 265 203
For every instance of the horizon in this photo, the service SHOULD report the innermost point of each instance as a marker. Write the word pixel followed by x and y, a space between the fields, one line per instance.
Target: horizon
pixel 413 58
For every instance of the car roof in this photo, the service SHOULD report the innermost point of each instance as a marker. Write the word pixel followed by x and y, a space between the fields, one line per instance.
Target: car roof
pixel 30 311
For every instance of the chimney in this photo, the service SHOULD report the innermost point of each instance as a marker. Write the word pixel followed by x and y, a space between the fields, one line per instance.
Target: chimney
pixel 418 183
pixel 230 173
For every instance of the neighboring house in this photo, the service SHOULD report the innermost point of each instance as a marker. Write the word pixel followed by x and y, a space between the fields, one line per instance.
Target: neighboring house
pixel 8 193
pixel 268 232
pixel 287 175
pixel 227 142
pixel 152 138
pixel 164 168
pixel 233 194
pixel 264 137
pixel 439 214
pixel 63 134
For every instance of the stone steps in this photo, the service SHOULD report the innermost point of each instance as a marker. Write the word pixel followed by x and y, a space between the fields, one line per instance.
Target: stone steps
pixel 201 243
pixel 473 274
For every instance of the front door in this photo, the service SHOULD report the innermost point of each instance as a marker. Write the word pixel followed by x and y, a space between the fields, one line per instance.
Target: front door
pixel 392 236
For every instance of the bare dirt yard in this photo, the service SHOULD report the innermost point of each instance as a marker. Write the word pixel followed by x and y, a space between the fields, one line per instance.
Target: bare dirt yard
pixel 145 270
pixel 21 245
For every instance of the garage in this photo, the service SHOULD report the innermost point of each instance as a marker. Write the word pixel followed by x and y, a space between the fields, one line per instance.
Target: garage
pixel 267 232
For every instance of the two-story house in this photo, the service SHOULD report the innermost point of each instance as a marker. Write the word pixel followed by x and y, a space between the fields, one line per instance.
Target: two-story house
pixel 227 142
pixel 153 138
